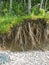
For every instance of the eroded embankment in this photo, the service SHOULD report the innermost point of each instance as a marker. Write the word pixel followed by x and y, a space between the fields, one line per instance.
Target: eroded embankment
pixel 26 36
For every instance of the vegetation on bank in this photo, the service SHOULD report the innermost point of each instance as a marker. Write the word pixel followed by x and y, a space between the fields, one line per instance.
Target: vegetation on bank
pixel 23 24
pixel 13 12
pixel 7 21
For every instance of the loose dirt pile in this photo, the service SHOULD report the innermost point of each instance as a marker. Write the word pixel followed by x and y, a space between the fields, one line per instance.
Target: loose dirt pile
pixel 26 36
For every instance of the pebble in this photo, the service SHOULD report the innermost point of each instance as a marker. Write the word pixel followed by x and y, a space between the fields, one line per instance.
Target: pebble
pixel 24 58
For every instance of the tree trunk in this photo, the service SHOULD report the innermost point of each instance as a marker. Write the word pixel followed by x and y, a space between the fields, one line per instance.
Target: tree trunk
pixel 41 4
pixel 29 6
pixel 10 6
pixel 45 4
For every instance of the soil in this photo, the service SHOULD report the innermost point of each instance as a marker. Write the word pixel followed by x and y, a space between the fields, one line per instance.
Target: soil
pixel 29 35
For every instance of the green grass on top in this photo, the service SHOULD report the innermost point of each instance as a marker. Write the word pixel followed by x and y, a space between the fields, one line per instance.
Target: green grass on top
pixel 7 21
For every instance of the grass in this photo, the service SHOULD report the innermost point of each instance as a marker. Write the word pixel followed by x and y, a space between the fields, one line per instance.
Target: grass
pixel 7 22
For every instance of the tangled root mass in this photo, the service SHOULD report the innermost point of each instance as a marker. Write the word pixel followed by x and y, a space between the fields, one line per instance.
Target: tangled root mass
pixel 26 36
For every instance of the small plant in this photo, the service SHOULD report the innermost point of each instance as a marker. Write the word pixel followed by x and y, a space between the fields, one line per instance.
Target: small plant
pixel 42 12
pixel 38 12
pixel 35 10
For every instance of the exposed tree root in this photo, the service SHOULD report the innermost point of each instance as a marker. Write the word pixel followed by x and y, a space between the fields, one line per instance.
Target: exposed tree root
pixel 17 35
pixel 31 35
pixel 26 36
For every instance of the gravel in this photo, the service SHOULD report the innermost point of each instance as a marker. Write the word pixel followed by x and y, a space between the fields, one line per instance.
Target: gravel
pixel 24 58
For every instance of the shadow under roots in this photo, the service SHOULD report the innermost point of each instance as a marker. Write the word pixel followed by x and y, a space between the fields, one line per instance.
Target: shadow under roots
pixel 26 36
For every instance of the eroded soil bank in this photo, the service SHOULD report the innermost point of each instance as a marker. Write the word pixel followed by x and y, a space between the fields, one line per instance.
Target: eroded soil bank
pixel 25 36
